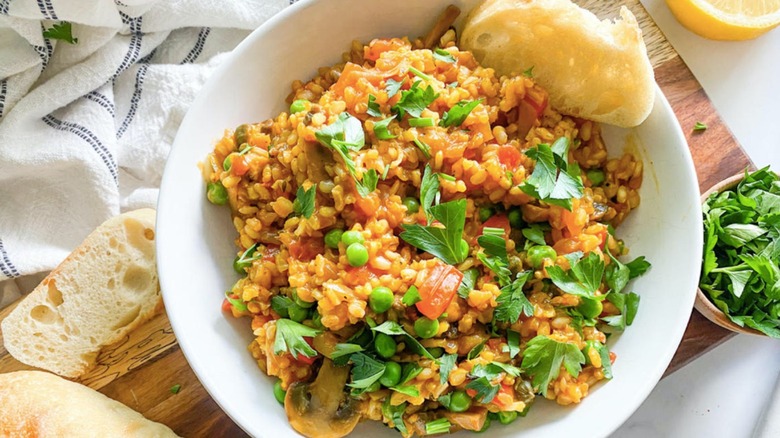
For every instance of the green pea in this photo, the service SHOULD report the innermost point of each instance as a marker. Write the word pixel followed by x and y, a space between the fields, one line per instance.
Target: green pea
pixel 590 308
pixel 515 217
pixel 384 345
pixel 357 255
pixel 279 393
pixel 297 313
pixel 392 374
pixel 380 299
pixel 241 134
pixel 460 401
pixel 506 417
pixel 412 205
pixel 596 177
pixel 227 163
pixel 426 328
pixel 537 254
pixel 486 213
pixel 350 237
pixel 333 237
pixel 436 352
pixel 373 387
pixel 464 248
pixel 298 106
pixel 301 303
pixel 216 193
pixel 485 426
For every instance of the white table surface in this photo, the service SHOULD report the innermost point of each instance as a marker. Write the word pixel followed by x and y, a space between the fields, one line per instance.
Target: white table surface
pixel 723 393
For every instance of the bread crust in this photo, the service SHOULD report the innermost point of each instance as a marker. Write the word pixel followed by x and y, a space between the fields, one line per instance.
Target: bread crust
pixel 104 289
pixel 592 69
pixel 40 404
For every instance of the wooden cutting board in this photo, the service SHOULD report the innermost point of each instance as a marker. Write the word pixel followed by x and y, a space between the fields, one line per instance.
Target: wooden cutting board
pixel 140 370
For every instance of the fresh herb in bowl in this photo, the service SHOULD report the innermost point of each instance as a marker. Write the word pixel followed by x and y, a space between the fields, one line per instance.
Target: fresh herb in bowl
pixel 741 273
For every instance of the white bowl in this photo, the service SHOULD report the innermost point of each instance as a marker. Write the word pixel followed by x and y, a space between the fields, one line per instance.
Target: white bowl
pixel 195 239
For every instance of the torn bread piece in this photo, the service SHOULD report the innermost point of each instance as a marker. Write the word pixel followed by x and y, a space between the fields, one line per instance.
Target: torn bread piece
pixel 593 69
pixel 104 289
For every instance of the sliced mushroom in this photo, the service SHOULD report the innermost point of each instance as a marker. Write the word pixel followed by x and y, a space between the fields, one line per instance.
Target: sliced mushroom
pixel 321 408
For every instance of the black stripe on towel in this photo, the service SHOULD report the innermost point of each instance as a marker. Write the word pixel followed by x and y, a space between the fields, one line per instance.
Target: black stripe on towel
pixel 6 267
pixel 89 137
pixel 47 9
pixel 134 48
pixel 196 51
pixel 4 4
pixel 3 92
pixel 139 84
pixel 102 101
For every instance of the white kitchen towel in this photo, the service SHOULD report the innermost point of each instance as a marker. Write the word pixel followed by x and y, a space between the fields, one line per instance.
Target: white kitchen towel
pixel 85 128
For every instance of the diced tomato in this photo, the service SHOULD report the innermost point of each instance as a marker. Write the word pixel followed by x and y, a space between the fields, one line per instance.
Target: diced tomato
pixel 495 344
pixel 439 288
pixel 379 46
pixel 612 357
pixel 352 73
pixel 306 248
pixel 499 220
pixel 270 253
pixel 306 359
pixel 537 101
pixel 509 156
pixel 504 389
pixel 226 306
pixel 361 275
pixel 603 237
pixel 238 165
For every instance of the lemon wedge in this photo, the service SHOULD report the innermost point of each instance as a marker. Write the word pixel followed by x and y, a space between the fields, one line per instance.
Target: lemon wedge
pixel 731 20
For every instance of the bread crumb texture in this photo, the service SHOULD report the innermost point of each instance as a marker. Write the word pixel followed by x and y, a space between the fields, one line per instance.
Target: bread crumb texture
pixel 105 288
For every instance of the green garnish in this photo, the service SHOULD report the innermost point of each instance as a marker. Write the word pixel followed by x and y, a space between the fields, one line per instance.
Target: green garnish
pixel 414 100
pixel 554 180
pixel 410 371
pixel 458 113
pixel 410 390
pixel 347 131
pixel 426 150
pixel 443 243
pixel 429 188
pixel 381 131
pixel 365 371
pixel 304 201
pixel 341 350
pixel 281 305
pixel 245 259
pixel 512 301
pixel 513 343
pixel 411 297
pixel 289 338
pixel 535 234
pixel 470 277
pixel 446 365
pixel 476 350
pixel 443 55
pixel 235 302
pixel 542 359
pixel 628 305
pixel 741 269
pixel 441 425
pixel 373 107
pixel 395 414
pixel 394 329
pixel 368 183
pixel 699 126
pixel 175 389
pixel 529 72
pixel 61 31
pixel 487 379
pixel 392 87
pixel 422 122
pixel 420 74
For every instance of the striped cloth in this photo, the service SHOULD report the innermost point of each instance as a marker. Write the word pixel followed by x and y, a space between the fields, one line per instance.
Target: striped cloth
pixel 85 128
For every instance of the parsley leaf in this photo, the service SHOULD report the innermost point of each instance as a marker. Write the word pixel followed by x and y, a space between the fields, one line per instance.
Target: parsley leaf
pixel 513 343
pixel 529 72
pixel 414 100
pixel 535 234
pixel 61 31
pixel 393 87
pixel 699 127
pixel 446 365
pixel 553 180
pixel 395 329
pixel 606 363
pixel 458 113
pixel 443 55
pixel 429 187
pixel 492 240
pixel 396 415
pixel 542 359
pixel 373 107
pixel 289 338
pixel 347 130
pixel 488 379
pixel 424 148
pixel 368 183
pixel 365 370
pixel 411 297
pixel 583 279
pixel 381 131
pixel 637 267
pixel 628 305
pixel 304 201
pixel 470 277
pixel 512 301
pixel 410 390
pixel 410 371
pixel 341 350
pixel 485 391
pixel 175 389
pixel 235 302
pixel 281 304
pixel 444 243
pixel 476 350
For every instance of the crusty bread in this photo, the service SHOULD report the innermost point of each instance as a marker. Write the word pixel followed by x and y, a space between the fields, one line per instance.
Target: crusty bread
pixel 105 288
pixel 39 404
pixel 597 70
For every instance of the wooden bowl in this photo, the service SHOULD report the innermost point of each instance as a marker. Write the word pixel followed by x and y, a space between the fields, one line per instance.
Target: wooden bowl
pixel 702 303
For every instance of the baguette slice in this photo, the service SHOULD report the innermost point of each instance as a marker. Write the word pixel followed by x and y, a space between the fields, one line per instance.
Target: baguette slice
pixel 39 404
pixel 597 70
pixel 104 289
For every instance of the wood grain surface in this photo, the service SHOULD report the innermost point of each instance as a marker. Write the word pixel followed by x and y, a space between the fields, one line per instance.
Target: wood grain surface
pixel 140 369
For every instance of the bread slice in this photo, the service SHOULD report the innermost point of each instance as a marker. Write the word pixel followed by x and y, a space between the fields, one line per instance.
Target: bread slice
pixel 105 288
pixel 39 404
pixel 596 70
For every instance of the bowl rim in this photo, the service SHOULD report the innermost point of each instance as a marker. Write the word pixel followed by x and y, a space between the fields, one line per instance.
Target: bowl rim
pixel 703 304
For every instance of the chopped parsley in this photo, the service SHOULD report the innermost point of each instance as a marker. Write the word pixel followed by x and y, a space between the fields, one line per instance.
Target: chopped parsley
pixel 424 148
pixel 341 350
pixel 699 127
pixel 175 389
pixel 583 279
pixel 553 180
pixel 628 305
pixel 534 234
pixel 487 379
pixel 281 304
pixel 410 390
pixel 373 107
pixel 441 425
pixel 61 31
pixel 444 243
pixel 365 371
pixel 543 357
pixel 392 87
pixel 513 343
pixel 411 297
pixel 443 55
pixel 396 415
pixel 512 301
pixel 414 100
pixel 304 201
pixel 394 329
pixel 529 72
pixel 476 350
pixel 346 131
pixel 245 259
pixel 446 365
pixel 368 183
pixel 409 371
pixel 290 338
pixel 468 283
pixel 458 113
pixel 420 74
pixel 381 131
pixel 235 302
